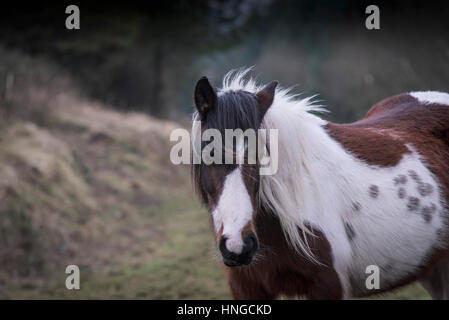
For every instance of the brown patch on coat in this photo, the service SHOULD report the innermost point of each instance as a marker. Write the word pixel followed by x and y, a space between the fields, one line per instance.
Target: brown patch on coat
pixel 381 137
pixel 219 234
pixel 249 227
pixel 365 143
pixel 389 105
pixel 280 270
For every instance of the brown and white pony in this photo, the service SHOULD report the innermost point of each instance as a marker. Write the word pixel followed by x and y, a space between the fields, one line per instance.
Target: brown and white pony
pixel 345 196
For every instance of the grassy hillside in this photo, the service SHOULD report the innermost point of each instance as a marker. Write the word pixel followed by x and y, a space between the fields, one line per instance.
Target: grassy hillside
pixel 88 186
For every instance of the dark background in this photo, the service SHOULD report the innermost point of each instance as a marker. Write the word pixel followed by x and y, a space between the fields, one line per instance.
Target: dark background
pixel 147 57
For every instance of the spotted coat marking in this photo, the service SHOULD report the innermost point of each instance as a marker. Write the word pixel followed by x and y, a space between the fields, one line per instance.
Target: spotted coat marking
pixel 349 231
pixel 356 206
pixel 400 179
pixel 427 214
pixel 425 189
pixel 413 203
pixel 373 191
pixel 402 193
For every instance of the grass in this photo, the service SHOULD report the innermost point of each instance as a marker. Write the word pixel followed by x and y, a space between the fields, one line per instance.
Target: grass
pixel 179 265
pixel 411 292
pixel 88 188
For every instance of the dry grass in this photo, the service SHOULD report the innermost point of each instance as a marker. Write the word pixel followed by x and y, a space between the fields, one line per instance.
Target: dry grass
pixel 88 186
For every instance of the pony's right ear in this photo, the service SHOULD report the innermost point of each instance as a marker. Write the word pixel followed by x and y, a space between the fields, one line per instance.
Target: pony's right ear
pixel 205 95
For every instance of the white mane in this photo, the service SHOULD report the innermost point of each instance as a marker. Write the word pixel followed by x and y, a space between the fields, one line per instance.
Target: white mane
pixel 282 191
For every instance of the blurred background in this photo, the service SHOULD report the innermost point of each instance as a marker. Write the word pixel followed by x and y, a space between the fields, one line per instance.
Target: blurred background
pixel 85 116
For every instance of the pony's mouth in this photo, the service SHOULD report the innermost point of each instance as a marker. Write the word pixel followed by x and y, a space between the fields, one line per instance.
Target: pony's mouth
pixel 231 259
pixel 234 263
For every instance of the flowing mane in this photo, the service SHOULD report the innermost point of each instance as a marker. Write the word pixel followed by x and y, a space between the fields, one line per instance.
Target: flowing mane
pixel 291 115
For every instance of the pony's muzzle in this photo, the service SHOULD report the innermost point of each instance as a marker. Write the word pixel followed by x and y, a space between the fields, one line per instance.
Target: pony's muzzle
pixel 232 259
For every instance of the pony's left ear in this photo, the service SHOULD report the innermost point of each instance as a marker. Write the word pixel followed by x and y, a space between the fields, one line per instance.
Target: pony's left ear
pixel 266 95
pixel 204 96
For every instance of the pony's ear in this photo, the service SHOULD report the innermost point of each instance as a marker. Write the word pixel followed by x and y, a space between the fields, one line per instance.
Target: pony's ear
pixel 205 95
pixel 266 95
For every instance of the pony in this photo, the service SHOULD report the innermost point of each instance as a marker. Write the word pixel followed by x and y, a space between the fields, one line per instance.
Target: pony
pixel 347 199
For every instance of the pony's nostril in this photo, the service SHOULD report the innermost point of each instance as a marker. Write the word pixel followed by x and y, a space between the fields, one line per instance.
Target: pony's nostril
pixel 251 242
pixel 230 246
pixel 222 244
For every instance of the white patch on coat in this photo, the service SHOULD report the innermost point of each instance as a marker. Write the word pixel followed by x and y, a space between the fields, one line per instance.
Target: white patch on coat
pixel 431 97
pixel 234 210
pixel 398 229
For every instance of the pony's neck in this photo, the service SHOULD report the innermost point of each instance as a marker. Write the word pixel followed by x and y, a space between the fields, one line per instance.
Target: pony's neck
pixel 314 171
pixel 328 171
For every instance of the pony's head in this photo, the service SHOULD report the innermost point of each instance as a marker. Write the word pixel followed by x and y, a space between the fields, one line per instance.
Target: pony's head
pixel 231 191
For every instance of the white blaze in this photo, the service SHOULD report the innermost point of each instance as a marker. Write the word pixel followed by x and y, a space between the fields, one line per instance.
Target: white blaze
pixel 234 210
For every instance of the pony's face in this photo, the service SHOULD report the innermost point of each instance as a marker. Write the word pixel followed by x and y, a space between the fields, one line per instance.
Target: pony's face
pixel 231 195
pixel 230 191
